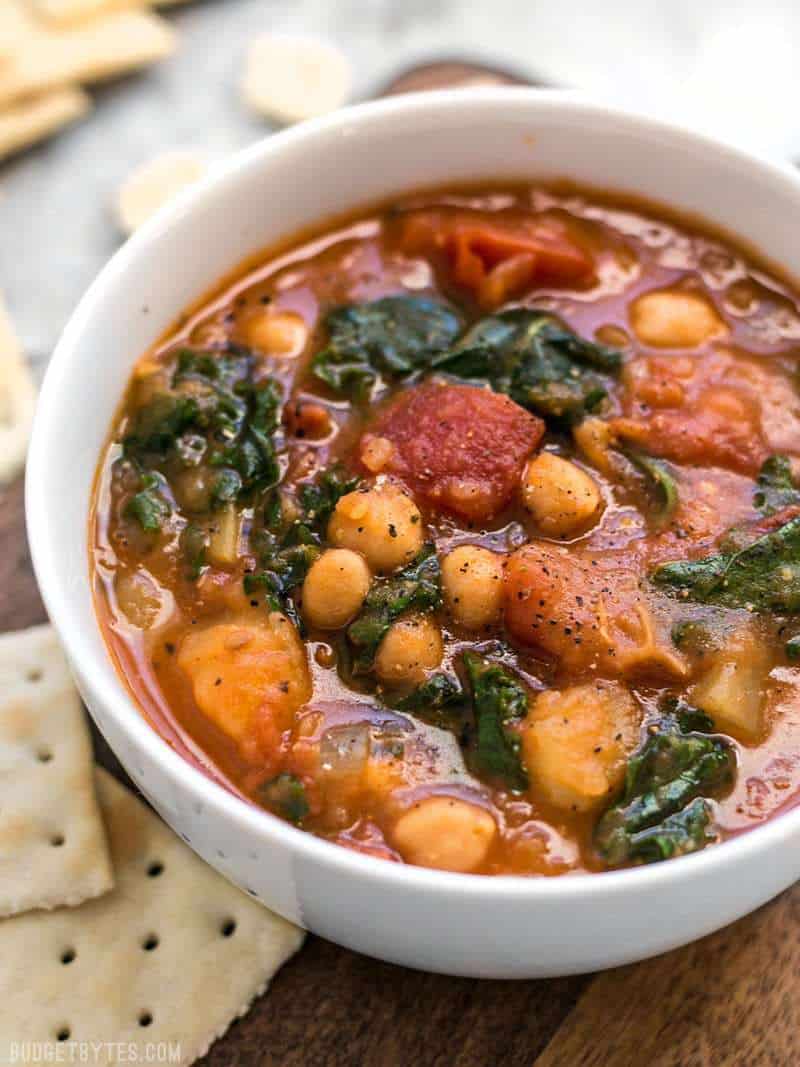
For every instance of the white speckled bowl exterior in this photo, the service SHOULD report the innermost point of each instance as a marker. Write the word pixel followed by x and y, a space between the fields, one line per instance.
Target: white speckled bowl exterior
pixel 460 924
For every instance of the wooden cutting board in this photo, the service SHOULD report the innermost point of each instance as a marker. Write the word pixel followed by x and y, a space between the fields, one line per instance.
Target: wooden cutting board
pixel 731 1000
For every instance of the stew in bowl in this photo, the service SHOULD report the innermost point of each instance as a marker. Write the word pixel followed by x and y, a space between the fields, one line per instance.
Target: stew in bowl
pixel 465 533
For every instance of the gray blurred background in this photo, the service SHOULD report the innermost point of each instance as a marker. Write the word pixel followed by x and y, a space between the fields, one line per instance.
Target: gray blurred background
pixel 729 66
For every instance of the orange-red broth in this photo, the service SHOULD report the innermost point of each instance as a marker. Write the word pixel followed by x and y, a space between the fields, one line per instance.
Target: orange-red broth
pixel 742 371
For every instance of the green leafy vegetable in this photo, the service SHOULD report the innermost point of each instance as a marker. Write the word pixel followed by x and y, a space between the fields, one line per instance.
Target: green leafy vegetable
pixel 792 649
pixel 658 483
pixel 775 486
pixel 215 409
pixel 439 700
pixel 226 487
pixel 251 451
pixel 149 507
pixel 158 425
pixel 390 338
pixel 764 576
pixel 498 699
pixel 417 587
pixel 318 499
pixel 285 796
pixel 693 636
pixel 663 811
pixel 480 714
pixel 536 360
pixel 279 575
pixel 286 548
pixel 194 543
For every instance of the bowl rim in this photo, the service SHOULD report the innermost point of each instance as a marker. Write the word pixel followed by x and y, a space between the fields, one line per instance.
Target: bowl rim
pixel 108 686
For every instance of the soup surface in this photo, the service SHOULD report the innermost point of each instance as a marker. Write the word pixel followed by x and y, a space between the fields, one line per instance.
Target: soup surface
pixel 467 535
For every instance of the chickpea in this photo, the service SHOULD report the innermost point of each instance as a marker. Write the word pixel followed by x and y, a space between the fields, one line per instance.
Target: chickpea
pixel 561 497
pixel 276 333
pixel 472 582
pixel 334 588
pixel 382 523
pixel 445 833
pixel 411 648
pixel 674 319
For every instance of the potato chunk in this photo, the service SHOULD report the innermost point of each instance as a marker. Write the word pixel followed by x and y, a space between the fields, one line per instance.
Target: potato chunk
pixel 732 691
pixel 334 588
pixel 249 677
pixel 446 833
pixel 382 523
pixel 576 742
pixel 668 318
pixel 472 582
pixel 562 498
pixel 411 648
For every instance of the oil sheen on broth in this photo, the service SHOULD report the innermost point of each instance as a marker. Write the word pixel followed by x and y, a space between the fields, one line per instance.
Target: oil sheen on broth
pixel 466 534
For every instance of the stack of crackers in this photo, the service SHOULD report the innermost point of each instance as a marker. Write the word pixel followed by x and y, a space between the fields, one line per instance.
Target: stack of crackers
pixel 116 940
pixel 51 49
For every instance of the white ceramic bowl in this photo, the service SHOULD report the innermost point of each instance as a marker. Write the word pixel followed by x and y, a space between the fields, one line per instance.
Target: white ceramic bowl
pixel 461 924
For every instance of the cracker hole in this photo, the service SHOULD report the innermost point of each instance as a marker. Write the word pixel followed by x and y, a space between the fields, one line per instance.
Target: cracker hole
pixel 145 1018
pixel 63 1033
pixel 228 928
pixel 68 955
pixel 35 674
pixel 150 942
pixel 44 755
pixel 155 869
pixel 57 840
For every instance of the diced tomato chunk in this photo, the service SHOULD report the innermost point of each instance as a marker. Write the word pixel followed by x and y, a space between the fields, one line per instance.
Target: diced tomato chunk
pixel 499 258
pixel 458 447
pixel 708 410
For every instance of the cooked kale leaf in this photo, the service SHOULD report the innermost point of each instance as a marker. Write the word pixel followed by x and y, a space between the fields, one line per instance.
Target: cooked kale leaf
pixel 764 576
pixel 663 811
pixel 285 796
pixel 158 425
pixel 390 338
pixel 498 700
pixel 150 507
pixel 286 548
pixel 657 482
pixel 479 713
pixel 215 410
pixel 194 543
pixel 279 574
pixel 775 486
pixel 319 498
pixel 440 700
pixel 536 360
pixel 417 587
